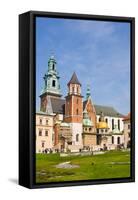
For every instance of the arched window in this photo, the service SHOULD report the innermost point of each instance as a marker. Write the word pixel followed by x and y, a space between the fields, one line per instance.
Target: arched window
pixel 118 124
pixel 77 137
pixel 77 111
pixel 112 139
pixel 106 120
pixel 99 119
pixel 112 124
pixel 118 140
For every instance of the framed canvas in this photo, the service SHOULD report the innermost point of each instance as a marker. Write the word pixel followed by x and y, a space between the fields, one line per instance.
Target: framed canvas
pixel 76 99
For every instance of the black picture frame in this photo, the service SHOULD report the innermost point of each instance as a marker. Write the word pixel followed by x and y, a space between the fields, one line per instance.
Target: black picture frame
pixel 27 71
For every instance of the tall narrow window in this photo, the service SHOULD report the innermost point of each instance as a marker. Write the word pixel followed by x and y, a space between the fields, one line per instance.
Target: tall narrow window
pixel 40 132
pixel 118 124
pixel 112 124
pixel 77 90
pixel 46 133
pixel 118 140
pixel 43 144
pixel 40 121
pixel 112 139
pixel 72 89
pixel 46 121
pixel 53 83
pixel 53 67
pixel 77 111
pixel 77 101
pixel 106 120
pixel 99 119
pixel 77 137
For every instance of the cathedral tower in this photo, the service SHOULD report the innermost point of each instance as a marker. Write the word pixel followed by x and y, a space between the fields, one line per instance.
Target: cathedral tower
pixel 51 84
pixel 74 110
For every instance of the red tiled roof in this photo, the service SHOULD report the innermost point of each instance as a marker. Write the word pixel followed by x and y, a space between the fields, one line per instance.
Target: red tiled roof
pixel 127 117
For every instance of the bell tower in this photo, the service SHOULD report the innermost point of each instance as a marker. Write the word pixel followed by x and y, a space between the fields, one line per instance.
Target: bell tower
pixel 74 109
pixel 51 83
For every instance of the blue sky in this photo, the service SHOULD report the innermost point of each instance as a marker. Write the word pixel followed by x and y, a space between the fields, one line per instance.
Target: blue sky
pixel 99 53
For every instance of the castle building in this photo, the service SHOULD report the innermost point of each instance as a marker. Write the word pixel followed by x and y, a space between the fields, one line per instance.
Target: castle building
pixel 127 131
pixel 112 117
pixel 44 131
pixel 74 124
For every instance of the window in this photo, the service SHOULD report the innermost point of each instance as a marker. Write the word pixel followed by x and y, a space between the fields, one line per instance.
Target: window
pixel 106 120
pixel 46 121
pixel 77 137
pixel 77 111
pixel 53 66
pixel 40 121
pixel 112 124
pixel 40 132
pixel 43 144
pixel 99 119
pixel 90 129
pixel 77 90
pixel 46 133
pixel 118 140
pixel 112 139
pixel 102 130
pixel 72 89
pixel 77 101
pixel 118 124
pixel 53 83
pixel 106 130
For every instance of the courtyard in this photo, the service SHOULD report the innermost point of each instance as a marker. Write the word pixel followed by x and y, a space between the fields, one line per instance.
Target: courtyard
pixel 54 168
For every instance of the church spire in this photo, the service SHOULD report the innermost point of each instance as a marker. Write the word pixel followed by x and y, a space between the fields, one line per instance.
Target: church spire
pixel 74 80
pixel 88 92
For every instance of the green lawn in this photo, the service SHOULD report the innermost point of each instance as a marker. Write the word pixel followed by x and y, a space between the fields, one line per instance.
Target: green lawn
pixel 113 164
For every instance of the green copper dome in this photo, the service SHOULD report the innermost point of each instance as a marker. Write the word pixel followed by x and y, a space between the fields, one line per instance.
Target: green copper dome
pixel 86 120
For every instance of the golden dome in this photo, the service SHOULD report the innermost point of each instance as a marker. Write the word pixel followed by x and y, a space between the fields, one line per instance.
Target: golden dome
pixel 102 125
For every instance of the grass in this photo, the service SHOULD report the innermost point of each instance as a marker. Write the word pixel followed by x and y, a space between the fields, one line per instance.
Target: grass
pixel 113 164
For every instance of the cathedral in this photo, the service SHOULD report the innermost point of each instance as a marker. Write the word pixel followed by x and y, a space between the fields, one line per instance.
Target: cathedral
pixel 74 124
